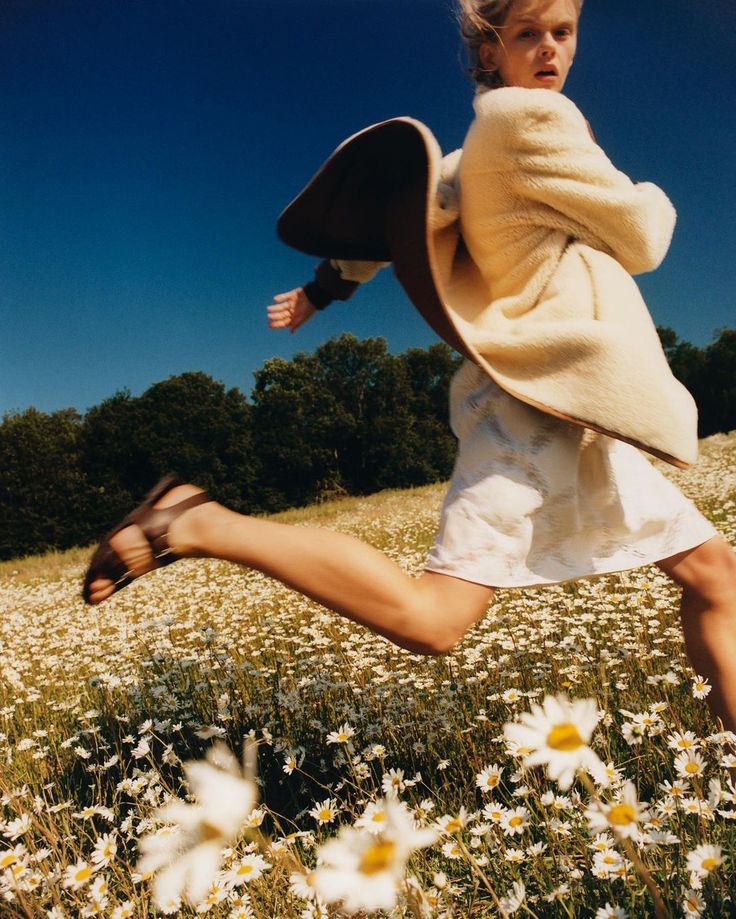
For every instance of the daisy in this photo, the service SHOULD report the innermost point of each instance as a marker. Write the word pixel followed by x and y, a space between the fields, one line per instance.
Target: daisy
pixel 453 824
pixel 9 857
pixel 515 821
pixel 683 740
pixel 489 778
pixel 607 862
pixel 362 871
pixel 611 912
pixel 303 885
pixel 188 858
pixel 510 696
pixel 99 887
pixel 250 867
pixel 393 782
pixel 104 850
pixel 689 763
pixel 515 856
pixel 558 732
pixel 622 815
pixel 701 687
pixel 514 898
pixel 373 817
pixel 255 817
pixel 341 735
pixel 693 904
pixel 676 789
pixel 494 812
pixel 76 876
pixel 703 859
pixel 18 827
pixel 325 811
pixel 452 850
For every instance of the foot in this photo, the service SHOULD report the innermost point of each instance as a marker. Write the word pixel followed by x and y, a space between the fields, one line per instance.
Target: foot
pixel 134 550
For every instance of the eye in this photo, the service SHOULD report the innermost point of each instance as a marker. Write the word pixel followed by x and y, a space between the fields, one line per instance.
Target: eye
pixel 527 33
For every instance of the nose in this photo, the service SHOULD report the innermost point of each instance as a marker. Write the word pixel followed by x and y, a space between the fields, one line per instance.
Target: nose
pixel 547 44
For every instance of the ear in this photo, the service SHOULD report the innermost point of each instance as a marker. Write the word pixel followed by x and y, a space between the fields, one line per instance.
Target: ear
pixel 487 56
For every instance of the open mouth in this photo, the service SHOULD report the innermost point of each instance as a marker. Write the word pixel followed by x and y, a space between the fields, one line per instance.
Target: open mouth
pixel 546 74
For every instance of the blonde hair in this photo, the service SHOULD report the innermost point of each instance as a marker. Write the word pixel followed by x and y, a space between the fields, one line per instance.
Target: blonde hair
pixel 479 22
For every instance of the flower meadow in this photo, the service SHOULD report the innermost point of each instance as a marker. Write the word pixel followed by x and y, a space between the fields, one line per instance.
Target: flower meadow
pixel 209 741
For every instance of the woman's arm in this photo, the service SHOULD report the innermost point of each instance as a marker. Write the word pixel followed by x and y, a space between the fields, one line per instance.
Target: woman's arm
pixel 334 279
pixel 338 279
pixel 551 159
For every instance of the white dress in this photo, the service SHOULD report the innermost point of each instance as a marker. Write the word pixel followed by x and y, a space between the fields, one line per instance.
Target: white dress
pixel 535 500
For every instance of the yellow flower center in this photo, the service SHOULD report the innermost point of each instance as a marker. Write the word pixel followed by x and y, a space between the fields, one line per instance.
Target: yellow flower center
pixel 325 814
pixel 8 859
pixel 378 817
pixel 453 825
pixel 515 821
pixel 83 874
pixel 377 857
pixel 709 864
pixel 684 742
pixel 565 737
pixel 692 766
pixel 492 781
pixel 621 814
pixel 245 869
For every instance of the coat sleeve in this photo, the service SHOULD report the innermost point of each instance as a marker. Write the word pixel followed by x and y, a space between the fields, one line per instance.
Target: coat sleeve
pixel 555 162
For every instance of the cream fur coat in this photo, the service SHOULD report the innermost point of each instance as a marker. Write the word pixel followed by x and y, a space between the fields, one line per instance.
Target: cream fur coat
pixel 556 231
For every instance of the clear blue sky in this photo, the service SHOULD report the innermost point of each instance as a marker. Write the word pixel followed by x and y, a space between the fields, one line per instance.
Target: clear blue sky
pixel 148 147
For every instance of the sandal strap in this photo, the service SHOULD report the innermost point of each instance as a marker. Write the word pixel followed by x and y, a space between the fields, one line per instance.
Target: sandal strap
pixel 156 523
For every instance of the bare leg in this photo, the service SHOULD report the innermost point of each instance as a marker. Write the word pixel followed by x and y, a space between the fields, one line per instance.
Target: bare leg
pixel 707 575
pixel 428 614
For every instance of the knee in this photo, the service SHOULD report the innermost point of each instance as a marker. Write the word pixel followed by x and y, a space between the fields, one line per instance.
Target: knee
pixel 431 633
pixel 708 572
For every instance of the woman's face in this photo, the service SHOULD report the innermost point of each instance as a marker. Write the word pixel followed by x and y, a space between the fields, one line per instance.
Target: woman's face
pixel 538 42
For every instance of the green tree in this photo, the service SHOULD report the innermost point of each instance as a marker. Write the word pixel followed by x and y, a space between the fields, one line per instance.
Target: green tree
pixel 718 388
pixel 352 418
pixel 188 424
pixel 430 373
pixel 686 361
pixel 44 496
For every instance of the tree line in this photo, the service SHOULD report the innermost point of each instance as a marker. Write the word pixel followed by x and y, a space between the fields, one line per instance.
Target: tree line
pixel 349 419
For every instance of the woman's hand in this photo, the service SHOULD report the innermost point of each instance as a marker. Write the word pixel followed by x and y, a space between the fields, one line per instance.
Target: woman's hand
pixel 290 310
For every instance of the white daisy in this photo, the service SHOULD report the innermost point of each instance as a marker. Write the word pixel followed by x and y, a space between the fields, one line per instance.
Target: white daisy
pixel 557 733
pixel 622 815
pixel 187 859
pixel 489 778
pixel 704 859
pixel 689 763
pixel 362 871
pixel 701 687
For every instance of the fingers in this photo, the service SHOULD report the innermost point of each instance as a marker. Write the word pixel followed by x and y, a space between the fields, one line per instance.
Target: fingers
pixel 290 310
pixel 281 311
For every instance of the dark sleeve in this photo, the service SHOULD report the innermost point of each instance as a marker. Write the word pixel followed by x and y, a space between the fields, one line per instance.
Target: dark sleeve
pixel 328 285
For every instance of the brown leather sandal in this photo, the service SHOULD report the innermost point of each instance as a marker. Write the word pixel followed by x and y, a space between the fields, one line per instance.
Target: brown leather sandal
pixel 155 524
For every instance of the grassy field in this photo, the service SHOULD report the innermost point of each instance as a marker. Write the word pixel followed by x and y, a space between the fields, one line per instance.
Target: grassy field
pixel 99 708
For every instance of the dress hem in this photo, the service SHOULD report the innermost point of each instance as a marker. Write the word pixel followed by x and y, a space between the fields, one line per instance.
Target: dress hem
pixel 549 582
